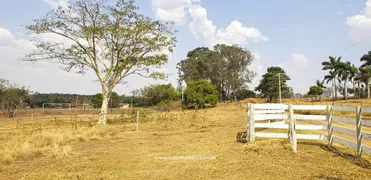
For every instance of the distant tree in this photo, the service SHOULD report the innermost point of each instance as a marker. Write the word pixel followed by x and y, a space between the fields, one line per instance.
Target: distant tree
pixel 332 76
pixel 268 85
pixel 12 96
pixel 200 92
pixel 315 91
pixel 321 85
pixel 365 72
pixel 331 65
pixel 360 79
pixel 164 93
pixel 97 100
pixel 111 39
pixel 114 101
pixel 352 75
pixel 243 94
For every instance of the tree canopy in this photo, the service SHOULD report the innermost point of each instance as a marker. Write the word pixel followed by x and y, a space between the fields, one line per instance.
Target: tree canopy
pixel 227 67
pixel 315 90
pixel 114 41
pixel 269 84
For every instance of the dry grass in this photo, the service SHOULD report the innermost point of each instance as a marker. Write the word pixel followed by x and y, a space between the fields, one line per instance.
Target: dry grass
pixel 66 149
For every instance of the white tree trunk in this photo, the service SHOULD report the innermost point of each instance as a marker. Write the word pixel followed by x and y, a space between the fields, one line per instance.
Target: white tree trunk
pixel 368 89
pixel 346 89
pixel 359 89
pixel 104 109
pixel 354 87
pixel 333 90
pixel 336 88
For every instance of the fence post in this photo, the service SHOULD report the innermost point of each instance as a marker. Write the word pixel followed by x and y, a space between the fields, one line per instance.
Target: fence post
pixel 359 132
pixel 137 120
pixel 329 125
pixel 292 132
pixel 251 119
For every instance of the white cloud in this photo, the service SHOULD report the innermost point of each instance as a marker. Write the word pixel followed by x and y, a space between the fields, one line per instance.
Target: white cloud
pixel 299 60
pixel 257 67
pixel 56 3
pixel 234 33
pixel 200 25
pixel 360 24
pixel 174 10
pixel 8 43
pixel 339 13
pixel 295 64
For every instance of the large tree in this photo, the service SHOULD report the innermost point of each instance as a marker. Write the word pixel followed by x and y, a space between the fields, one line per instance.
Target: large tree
pixel 114 41
pixel 227 67
pixel 269 84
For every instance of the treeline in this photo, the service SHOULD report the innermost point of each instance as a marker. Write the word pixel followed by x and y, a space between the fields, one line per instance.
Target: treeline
pixel 345 78
pixel 205 78
pixel 38 99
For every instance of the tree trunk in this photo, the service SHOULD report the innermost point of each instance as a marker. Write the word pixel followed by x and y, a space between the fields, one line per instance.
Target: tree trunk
pixel 359 89
pixel 336 88
pixel 346 89
pixel 333 90
pixel 354 88
pixel 221 93
pixel 368 88
pixel 104 109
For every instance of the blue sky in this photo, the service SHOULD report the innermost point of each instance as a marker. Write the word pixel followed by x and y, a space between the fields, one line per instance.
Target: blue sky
pixel 296 35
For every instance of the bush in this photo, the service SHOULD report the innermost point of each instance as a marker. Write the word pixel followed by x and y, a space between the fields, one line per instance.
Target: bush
pixel 200 92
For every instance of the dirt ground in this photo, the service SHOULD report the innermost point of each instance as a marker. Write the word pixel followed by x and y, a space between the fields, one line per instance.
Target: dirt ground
pixel 207 138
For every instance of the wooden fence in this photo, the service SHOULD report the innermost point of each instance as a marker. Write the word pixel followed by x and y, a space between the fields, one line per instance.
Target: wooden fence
pixel 274 116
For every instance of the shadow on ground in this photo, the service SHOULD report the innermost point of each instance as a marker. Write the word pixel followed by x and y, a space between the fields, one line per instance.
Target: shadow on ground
pixel 349 157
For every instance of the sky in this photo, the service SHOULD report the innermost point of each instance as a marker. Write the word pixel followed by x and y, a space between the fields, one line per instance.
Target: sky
pixel 293 34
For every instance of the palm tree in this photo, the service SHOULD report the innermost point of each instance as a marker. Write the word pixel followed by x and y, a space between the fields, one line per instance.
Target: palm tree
pixel 359 78
pixel 332 76
pixel 366 58
pixel 331 65
pixel 366 76
pixel 344 72
pixel 352 75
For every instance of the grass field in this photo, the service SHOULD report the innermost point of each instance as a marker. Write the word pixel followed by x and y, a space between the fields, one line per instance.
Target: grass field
pixel 77 148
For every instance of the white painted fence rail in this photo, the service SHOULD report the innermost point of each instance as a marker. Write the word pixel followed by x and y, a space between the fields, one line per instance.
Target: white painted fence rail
pixel 264 112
